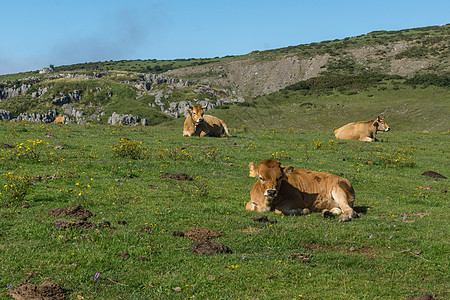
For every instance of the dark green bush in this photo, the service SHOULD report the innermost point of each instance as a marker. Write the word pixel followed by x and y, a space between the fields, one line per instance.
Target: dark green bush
pixel 430 79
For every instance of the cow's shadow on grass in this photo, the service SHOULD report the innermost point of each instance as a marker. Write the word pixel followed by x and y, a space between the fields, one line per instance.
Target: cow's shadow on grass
pixel 361 209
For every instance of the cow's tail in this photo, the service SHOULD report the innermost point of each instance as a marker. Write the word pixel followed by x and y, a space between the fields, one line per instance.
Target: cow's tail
pixel 225 129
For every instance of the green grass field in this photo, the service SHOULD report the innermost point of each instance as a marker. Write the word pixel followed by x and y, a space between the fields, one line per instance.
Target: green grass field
pixel 397 248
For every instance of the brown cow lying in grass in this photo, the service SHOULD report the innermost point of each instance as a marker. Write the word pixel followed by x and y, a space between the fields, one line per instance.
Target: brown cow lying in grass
pixel 60 120
pixel 362 131
pixel 198 124
pixel 288 191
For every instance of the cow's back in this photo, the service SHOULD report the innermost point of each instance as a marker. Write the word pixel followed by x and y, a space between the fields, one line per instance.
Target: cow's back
pixel 353 131
pixel 215 126
pixel 316 187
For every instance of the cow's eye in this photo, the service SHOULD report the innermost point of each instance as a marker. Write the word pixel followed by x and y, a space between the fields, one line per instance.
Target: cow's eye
pixel 260 178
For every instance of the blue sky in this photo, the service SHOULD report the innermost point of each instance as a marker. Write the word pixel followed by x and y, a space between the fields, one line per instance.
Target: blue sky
pixel 35 34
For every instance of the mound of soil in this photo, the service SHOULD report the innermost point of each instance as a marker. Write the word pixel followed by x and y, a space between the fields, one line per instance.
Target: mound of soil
pixel 200 234
pixel 433 174
pixel 209 247
pixel 76 210
pixel 263 219
pixel 45 178
pixel 178 233
pixel 46 291
pixel 179 176
pixel 63 224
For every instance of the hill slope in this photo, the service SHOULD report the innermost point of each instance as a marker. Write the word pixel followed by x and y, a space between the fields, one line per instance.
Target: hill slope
pixel 356 73
pixel 404 53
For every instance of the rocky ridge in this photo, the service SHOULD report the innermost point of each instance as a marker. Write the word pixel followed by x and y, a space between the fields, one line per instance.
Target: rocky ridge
pixel 160 87
pixel 405 53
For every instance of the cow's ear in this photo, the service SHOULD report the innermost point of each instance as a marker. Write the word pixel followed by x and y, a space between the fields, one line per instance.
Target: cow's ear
pixel 288 170
pixel 375 124
pixel 253 170
pixel 379 118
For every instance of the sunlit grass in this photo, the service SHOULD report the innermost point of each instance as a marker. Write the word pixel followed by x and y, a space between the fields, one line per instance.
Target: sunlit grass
pixel 401 234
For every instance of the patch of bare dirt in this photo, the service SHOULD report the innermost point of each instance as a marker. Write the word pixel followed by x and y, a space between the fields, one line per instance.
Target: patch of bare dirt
pixel 75 210
pixel 179 176
pixel 45 178
pixel 203 242
pixel 63 224
pixel 433 174
pixel 413 252
pixel 209 247
pixel 306 258
pixel 363 249
pixel 46 291
pixel 200 234
pixel 250 230
pixel 253 77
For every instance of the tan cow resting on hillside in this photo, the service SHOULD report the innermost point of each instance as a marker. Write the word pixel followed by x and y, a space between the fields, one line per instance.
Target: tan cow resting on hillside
pixel 362 131
pixel 60 120
pixel 198 124
pixel 288 191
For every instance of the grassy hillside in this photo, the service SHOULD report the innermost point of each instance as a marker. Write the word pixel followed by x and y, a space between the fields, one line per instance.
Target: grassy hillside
pixel 396 249
pixel 404 53
pixel 405 107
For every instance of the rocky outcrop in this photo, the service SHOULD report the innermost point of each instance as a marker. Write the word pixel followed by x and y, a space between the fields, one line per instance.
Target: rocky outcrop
pixel 14 91
pixel 10 89
pixel 72 111
pixel 5 115
pixel 161 79
pixel 29 117
pixel 46 71
pixel 144 84
pixel 64 99
pixel 178 109
pixel 37 117
pixel 41 91
pixel 125 119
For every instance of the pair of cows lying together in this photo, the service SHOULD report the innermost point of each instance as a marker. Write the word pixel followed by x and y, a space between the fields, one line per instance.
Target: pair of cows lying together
pixel 286 190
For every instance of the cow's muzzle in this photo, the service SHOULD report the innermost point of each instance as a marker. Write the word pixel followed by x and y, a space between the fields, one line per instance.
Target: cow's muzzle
pixel 270 194
pixel 199 120
pixel 387 129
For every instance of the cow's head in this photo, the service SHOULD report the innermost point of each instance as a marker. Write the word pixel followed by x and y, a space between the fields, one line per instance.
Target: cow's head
pixel 196 114
pixel 380 124
pixel 270 174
